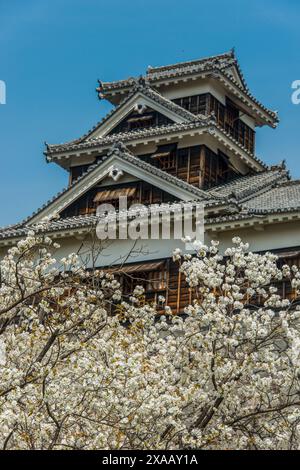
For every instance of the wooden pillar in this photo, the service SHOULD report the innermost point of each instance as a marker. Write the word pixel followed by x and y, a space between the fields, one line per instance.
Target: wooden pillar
pixel 188 166
pixel 178 292
pixel 167 280
pixel 202 166
pixel 190 295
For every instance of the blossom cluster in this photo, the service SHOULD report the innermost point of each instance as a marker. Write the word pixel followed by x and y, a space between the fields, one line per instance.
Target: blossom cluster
pixel 81 368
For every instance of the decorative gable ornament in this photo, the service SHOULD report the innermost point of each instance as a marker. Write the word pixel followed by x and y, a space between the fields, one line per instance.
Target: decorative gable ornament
pixel 115 173
pixel 140 108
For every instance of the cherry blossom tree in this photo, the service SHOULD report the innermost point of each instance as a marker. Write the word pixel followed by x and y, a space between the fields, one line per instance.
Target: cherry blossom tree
pixel 82 368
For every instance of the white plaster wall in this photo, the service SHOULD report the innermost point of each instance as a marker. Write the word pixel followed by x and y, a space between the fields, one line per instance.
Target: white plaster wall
pixel 271 237
pixel 247 120
pixel 116 251
pixel 129 251
pixel 83 160
pixel 195 87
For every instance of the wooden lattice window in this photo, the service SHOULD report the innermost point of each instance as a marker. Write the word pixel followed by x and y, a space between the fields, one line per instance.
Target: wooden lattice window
pixel 166 156
pixel 216 169
pixel 151 276
pixel 226 116
pixel 231 119
pixel 218 109
pixel 284 287
pixel 196 104
pixel 182 158
pixel 156 280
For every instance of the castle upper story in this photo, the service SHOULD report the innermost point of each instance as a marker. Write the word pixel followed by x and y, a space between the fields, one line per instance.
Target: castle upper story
pixel 195 121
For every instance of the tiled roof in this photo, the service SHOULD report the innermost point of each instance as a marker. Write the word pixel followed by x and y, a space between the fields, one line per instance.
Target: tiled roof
pixel 75 222
pixel 12 231
pixel 200 122
pixel 120 150
pixel 140 86
pixel 268 192
pixel 55 225
pixel 222 61
pixel 281 198
pixel 244 187
pixel 219 65
pixel 126 136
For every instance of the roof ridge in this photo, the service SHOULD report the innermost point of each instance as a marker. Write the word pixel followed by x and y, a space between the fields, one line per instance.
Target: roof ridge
pixel 214 67
pixel 121 135
pixel 150 69
pixel 243 193
pixel 141 86
pixel 267 186
pixel 118 148
pixel 159 130
pixel 290 183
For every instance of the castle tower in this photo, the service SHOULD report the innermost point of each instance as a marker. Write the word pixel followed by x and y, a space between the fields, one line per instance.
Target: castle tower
pixel 183 132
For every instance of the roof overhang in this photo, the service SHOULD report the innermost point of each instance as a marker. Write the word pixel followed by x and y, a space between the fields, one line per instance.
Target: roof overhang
pixel 62 154
pixel 127 164
pixel 261 114
pixel 256 221
pixel 218 225
pixel 121 112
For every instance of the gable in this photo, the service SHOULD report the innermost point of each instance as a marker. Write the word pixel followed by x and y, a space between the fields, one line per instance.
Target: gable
pixel 141 118
pixel 118 166
pixel 236 75
pixel 139 100
pixel 138 192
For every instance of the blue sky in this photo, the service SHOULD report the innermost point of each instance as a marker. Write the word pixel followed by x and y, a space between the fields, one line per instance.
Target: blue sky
pixel 52 53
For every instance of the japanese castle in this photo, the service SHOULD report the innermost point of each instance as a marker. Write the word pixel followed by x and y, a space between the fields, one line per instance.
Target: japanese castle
pixel 181 132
